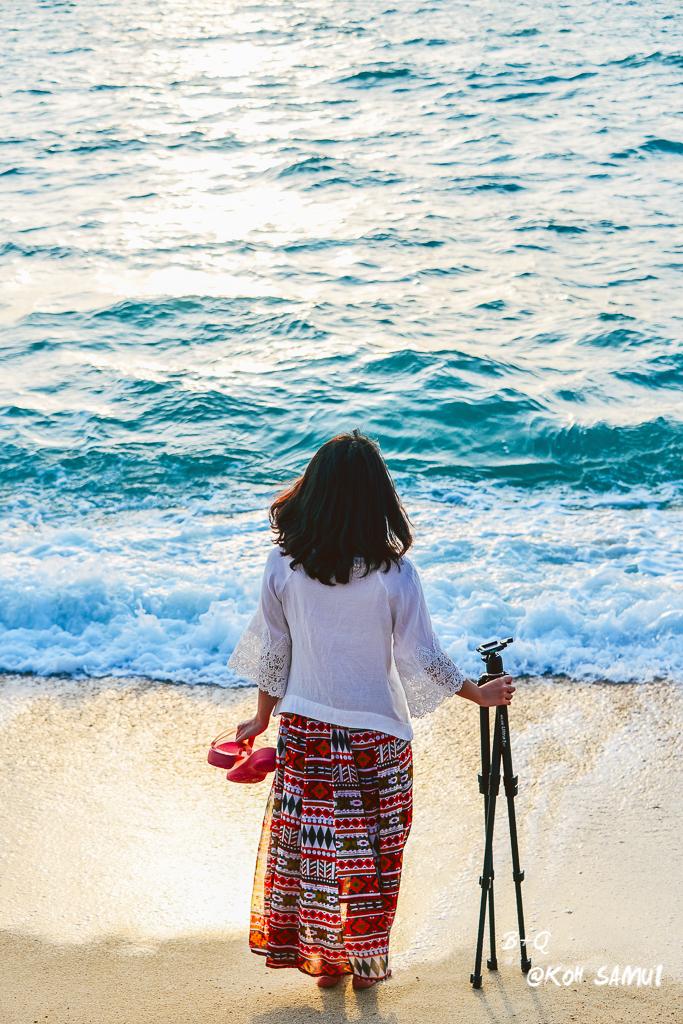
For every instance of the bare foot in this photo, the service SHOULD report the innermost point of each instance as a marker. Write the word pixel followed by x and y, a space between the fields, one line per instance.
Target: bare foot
pixel 359 982
pixel 327 982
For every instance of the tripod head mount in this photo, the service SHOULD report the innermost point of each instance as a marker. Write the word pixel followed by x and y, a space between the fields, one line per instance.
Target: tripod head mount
pixel 490 655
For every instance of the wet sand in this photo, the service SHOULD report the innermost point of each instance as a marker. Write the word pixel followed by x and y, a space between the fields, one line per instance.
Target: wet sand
pixel 127 862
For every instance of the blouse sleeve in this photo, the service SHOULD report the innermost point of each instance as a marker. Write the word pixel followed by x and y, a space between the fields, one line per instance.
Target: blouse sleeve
pixel 426 672
pixel 263 652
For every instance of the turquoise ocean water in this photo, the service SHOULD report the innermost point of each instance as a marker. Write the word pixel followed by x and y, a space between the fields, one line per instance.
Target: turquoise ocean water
pixel 230 230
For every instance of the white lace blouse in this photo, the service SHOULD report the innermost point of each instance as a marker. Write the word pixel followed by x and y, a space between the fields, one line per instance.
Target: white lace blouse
pixel 361 655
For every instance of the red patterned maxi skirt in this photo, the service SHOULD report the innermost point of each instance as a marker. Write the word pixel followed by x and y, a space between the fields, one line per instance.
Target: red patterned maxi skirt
pixel 329 862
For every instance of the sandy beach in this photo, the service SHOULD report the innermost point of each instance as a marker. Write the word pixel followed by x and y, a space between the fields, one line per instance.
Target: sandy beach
pixel 127 862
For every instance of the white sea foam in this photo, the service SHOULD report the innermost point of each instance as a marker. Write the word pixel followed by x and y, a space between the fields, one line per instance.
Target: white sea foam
pixel 589 587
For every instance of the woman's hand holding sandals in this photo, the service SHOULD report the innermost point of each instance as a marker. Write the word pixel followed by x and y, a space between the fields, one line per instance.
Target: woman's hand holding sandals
pixel 253 727
pixel 259 723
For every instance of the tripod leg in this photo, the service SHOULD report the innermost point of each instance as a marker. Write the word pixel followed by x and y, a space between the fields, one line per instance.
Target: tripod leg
pixel 475 978
pixel 484 729
pixel 485 757
pixel 486 880
pixel 492 962
pixel 510 782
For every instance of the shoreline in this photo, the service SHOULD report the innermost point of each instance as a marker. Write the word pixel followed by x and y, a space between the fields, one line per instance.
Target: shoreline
pixel 128 860
pixel 199 981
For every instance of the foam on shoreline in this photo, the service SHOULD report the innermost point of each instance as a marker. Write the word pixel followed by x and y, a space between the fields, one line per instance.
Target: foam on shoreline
pixel 590 586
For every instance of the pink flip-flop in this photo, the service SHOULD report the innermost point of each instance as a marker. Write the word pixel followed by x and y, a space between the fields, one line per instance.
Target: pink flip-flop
pixel 248 761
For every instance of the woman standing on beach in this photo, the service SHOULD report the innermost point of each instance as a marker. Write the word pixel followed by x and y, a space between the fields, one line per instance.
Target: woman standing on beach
pixel 342 649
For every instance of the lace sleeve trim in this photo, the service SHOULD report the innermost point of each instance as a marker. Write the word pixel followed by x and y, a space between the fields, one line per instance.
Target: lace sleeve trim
pixel 263 660
pixel 438 679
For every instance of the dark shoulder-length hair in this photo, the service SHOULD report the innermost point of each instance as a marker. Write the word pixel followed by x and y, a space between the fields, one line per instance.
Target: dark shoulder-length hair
pixel 345 507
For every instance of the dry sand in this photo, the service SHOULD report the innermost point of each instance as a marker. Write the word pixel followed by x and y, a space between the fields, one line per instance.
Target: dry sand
pixel 127 862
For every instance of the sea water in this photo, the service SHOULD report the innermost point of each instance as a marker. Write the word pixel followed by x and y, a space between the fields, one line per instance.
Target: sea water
pixel 231 230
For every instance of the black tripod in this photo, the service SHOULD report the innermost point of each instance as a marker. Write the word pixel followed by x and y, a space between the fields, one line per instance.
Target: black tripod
pixel 489 784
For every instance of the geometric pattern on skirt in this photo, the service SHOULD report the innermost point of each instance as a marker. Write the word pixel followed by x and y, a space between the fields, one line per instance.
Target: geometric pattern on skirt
pixel 328 870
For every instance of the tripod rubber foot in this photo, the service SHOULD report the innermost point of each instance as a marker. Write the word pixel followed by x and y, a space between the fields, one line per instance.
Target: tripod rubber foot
pixel 492 964
pixel 476 980
pixel 526 966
